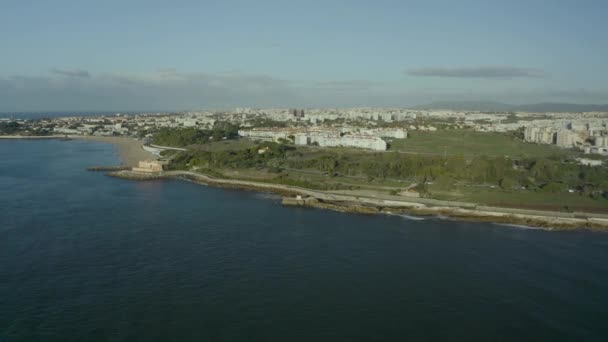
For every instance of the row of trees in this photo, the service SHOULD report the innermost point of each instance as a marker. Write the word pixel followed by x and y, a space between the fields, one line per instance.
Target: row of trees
pixel 550 174
pixel 179 137
pixel 10 127
pixel 13 127
pixel 270 155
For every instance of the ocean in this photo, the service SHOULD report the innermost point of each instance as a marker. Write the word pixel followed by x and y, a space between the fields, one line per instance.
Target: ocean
pixel 52 115
pixel 85 257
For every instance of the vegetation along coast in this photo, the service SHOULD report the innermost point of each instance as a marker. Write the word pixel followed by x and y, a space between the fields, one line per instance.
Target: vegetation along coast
pixel 536 169
pixel 361 204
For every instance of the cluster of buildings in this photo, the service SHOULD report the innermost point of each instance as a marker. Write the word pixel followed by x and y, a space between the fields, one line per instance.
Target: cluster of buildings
pixel 115 125
pixel 590 136
pixel 320 115
pixel 297 113
pixel 368 138
pixel 356 127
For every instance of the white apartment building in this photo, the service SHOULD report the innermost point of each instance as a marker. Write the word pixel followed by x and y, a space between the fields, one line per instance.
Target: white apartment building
pixel 359 141
pixel 396 133
pixel 601 141
pixel 542 135
pixel 567 139
pixel 264 135
pixel 301 139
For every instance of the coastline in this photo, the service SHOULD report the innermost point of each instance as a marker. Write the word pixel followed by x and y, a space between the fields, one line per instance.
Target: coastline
pixel 130 150
pixel 296 196
pixel 31 137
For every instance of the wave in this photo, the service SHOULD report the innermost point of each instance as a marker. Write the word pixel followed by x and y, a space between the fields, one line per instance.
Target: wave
pixel 267 196
pixel 404 216
pixel 413 218
pixel 520 226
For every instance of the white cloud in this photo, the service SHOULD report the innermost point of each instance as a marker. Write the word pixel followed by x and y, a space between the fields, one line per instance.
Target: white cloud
pixel 71 73
pixel 503 72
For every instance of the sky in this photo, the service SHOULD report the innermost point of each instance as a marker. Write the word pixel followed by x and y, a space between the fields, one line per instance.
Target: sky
pixel 183 55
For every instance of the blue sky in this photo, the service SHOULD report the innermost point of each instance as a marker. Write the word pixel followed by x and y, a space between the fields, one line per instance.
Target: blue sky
pixel 144 55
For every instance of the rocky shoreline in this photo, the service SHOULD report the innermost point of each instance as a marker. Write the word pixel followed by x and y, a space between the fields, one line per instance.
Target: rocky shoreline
pixel 541 222
pixel 295 196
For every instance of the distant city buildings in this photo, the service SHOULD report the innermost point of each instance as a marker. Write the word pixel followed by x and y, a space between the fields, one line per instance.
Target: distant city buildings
pixel 355 127
pixel 541 135
pixel 297 113
pixel 590 136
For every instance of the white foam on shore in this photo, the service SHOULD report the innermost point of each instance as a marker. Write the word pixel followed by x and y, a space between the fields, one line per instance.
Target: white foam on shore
pixel 267 196
pixel 413 218
pixel 407 217
pixel 520 226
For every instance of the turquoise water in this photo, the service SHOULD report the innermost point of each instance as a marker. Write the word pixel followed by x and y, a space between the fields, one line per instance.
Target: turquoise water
pixel 85 257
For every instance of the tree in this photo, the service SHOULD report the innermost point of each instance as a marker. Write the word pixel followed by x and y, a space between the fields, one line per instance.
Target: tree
pixel 552 187
pixel 10 127
pixel 507 183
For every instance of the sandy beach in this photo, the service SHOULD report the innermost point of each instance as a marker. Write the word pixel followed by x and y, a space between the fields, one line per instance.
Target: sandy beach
pixel 130 149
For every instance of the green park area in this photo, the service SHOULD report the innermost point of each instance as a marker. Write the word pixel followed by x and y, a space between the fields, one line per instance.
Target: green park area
pixel 472 143
pixel 485 168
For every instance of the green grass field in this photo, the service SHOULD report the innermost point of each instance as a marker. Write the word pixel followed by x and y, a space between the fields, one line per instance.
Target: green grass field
pixel 471 143
pixel 467 143
pixel 527 200
pixel 225 145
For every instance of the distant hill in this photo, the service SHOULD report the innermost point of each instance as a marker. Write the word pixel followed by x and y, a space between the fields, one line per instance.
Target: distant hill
pixel 468 105
pixel 562 107
pixel 503 107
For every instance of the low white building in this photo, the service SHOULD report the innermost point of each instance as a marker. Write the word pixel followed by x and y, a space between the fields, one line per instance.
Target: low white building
pixel 301 139
pixel 397 133
pixel 596 150
pixel 359 141
pixel 589 162
pixel 601 142
pixel 263 135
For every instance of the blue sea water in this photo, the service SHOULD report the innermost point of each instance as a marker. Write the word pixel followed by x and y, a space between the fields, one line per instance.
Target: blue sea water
pixel 84 257
pixel 51 115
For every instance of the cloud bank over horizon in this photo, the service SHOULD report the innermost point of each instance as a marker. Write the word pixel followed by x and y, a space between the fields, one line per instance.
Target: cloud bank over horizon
pixel 116 55
pixel 74 89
